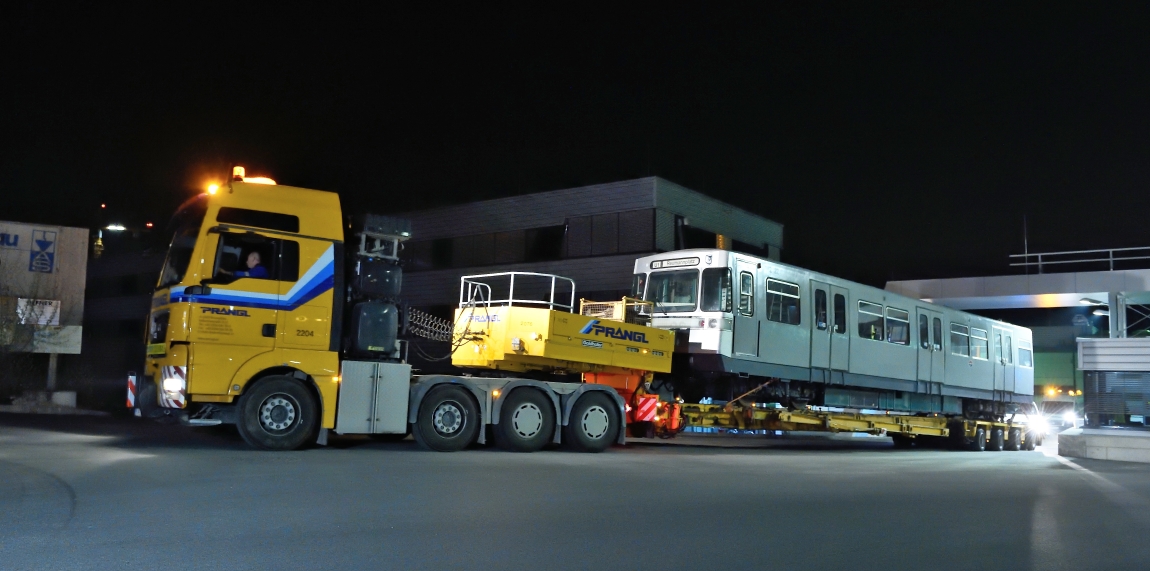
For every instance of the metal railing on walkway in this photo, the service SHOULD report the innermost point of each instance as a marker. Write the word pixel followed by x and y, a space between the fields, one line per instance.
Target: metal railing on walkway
pixel 1107 257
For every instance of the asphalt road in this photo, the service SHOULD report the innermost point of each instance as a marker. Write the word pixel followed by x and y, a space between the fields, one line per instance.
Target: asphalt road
pixel 102 493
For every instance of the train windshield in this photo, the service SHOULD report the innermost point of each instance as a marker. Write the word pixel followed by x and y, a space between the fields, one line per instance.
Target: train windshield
pixel 638 286
pixel 716 290
pixel 673 291
pixel 187 221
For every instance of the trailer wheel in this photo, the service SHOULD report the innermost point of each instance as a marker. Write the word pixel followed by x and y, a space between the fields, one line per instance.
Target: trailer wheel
pixel 278 413
pixel 594 423
pixel 448 420
pixel 1031 441
pixel 526 421
pixel 996 443
pixel 979 443
pixel 902 441
pixel 1014 440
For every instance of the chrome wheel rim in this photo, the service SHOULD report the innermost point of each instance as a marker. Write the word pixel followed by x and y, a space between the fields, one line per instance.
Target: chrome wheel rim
pixel 278 412
pixel 448 418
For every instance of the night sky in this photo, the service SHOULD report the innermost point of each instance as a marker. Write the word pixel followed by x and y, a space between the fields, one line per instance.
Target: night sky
pixel 894 141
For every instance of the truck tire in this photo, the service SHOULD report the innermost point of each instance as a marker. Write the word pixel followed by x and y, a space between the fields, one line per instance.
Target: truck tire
pixel 594 423
pixel 996 440
pixel 278 413
pixel 901 441
pixel 979 442
pixel 1031 441
pixel 526 421
pixel 448 419
pixel 1014 440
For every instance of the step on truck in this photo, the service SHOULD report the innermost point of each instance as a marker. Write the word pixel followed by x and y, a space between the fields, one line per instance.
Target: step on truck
pixel 273 314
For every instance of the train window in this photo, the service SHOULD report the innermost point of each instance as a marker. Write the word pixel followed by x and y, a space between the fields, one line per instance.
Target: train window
pixel 897 326
pixel 998 346
pixel 1008 351
pixel 923 331
pixel 870 320
pixel 1025 357
pixel 960 339
pixel 746 293
pixel 821 309
pixel 937 334
pixel 638 285
pixel 783 302
pixel 979 344
pixel 716 289
pixel 673 291
pixel 840 313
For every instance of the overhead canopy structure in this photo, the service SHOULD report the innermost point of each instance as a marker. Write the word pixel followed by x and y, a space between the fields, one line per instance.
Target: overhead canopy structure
pixel 1116 290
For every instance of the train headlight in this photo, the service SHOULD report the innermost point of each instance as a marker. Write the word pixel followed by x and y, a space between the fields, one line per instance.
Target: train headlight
pixel 712 323
pixel 1069 417
pixel 1040 425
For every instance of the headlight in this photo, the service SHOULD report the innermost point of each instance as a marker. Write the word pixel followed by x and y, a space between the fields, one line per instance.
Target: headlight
pixel 1069 417
pixel 1040 425
pixel 173 385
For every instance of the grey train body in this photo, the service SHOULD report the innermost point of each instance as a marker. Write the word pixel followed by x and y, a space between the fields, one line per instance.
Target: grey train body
pixel 810 338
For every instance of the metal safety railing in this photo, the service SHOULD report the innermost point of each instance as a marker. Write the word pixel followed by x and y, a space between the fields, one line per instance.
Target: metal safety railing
pixel 1107 256
pixel 473 292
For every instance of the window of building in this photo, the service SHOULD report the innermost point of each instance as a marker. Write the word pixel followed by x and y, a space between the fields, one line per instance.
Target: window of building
pixel 510 247
pixel 746 293
pixel 937 334
pixel 870 320
pixel 258 219
pixel 840 313
pixel 717 294
pixel 675 291
pixel 923 331
pixel 959 340
pixel 637 231
pixel 783 302
pixel 545 244
pixel 605 234
pixel 1025 356
pixel 979 344
pixel 897 326
pixel 579 237
pixel 821 309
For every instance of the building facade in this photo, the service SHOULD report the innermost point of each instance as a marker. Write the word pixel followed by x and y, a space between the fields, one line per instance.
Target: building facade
pixel 591 234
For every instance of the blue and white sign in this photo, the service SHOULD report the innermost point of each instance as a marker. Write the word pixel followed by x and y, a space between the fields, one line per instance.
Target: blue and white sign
pixel 9 240
pixel 42 257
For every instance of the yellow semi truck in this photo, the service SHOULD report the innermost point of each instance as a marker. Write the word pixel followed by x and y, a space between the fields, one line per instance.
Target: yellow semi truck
pixel 273 314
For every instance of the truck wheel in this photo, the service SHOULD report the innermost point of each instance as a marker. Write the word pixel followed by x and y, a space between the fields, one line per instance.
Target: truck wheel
pixel 278 413
pixel 526 421
pixel 1014 440
pixel 448 420
pixel 901 441
pixel 594 423
pixel 979 443
pixel 995 440
pixel 1031 439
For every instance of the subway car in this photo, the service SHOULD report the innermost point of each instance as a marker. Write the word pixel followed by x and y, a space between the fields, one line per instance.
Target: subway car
pixel 795 337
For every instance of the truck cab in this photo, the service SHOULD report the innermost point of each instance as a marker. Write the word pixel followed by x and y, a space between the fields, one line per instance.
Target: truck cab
pixel 247 292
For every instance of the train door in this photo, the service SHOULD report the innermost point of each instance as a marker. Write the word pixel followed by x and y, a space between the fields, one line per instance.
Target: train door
pixel 931 363
pixel 840 343
pixel 1003 360
pixel 746 332
pixel 821 331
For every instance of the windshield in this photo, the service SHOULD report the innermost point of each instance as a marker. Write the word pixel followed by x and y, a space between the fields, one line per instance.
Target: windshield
pixel 673 291
pixel 187 221
pixel 716 289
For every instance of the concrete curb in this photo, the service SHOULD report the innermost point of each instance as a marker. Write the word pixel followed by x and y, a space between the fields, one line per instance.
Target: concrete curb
pixel 1103 444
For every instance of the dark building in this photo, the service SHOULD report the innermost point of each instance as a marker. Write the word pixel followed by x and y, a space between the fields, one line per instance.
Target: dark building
pixel 592 234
